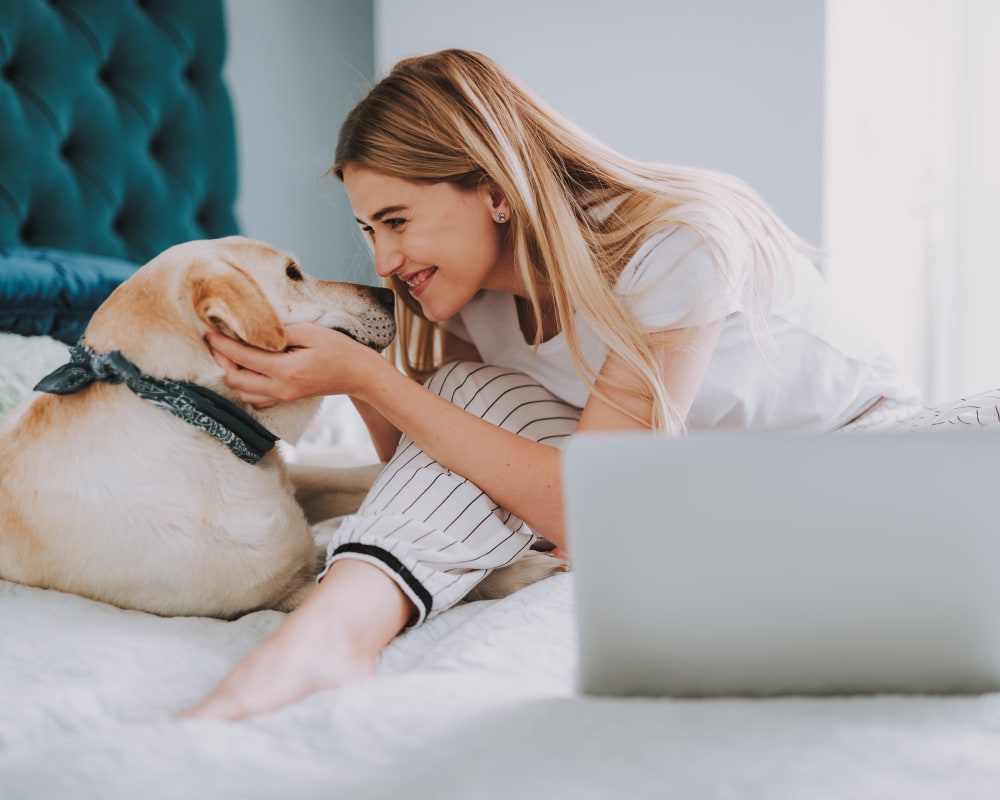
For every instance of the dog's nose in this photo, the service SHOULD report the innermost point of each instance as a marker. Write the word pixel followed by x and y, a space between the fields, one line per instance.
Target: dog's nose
pixel 386 298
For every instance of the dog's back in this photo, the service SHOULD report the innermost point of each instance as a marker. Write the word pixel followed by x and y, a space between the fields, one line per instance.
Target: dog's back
pixel 105 495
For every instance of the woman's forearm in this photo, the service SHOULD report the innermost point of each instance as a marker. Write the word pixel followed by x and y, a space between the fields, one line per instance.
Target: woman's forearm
pixel 519 474
pixel 384 435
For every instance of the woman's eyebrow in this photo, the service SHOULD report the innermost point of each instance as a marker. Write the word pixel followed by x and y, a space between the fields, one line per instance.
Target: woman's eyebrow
pixel 379 214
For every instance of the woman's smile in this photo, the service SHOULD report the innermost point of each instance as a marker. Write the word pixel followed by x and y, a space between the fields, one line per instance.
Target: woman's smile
pixel 416 282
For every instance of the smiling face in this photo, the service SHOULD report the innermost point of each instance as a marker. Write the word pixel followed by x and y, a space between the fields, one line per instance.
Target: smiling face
pixel 443 243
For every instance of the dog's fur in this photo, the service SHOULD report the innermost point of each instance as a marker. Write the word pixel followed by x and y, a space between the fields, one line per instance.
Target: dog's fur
pixel 105 495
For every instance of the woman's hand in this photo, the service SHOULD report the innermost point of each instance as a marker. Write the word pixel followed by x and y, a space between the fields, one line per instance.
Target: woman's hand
pixel 317 361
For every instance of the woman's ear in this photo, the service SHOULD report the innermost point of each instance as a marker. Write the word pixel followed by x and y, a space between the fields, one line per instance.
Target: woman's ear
pixel 495 201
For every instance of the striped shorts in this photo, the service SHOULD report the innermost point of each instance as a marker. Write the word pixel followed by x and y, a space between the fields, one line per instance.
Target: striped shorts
pixel 432 531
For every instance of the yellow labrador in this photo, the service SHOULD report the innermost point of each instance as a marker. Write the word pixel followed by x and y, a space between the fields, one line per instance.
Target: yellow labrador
pixel 128 490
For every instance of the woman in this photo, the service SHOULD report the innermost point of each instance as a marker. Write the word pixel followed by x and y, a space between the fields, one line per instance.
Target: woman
pixel 548 285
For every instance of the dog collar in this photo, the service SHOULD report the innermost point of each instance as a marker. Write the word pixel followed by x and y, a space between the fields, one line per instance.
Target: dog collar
pixel 196 405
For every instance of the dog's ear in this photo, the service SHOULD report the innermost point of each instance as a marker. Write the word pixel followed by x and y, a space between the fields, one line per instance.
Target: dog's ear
pixel 231 301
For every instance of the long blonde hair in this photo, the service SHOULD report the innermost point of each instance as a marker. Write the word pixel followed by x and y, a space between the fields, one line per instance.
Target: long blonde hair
pixel 456 116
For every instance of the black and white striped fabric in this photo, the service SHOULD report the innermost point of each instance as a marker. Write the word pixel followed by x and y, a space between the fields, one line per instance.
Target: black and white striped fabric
pixel 433 531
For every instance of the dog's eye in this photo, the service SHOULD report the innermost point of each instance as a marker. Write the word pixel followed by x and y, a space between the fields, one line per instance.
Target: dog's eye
pixel 293 272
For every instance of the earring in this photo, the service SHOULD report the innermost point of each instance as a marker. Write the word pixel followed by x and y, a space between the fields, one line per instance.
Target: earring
pixel 501 217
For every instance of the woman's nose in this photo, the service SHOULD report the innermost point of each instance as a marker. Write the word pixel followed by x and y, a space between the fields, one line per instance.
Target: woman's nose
pixel 387 259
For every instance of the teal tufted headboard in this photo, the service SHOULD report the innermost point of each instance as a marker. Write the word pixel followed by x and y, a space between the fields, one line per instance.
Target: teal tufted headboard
pixel 116 129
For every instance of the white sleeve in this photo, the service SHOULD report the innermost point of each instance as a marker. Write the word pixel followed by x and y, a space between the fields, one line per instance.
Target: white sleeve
pixel 674 282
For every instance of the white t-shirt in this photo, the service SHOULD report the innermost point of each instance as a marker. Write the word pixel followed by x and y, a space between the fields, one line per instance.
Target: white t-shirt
pixel 817 373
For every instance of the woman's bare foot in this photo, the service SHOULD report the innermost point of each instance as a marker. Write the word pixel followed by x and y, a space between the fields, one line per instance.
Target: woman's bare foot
pixel 334 638
pixel 287 666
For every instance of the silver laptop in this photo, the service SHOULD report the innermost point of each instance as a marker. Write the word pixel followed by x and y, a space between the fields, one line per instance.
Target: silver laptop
pixel 761 564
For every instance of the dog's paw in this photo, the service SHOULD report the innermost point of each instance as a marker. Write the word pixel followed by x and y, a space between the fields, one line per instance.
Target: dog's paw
pixel 532 568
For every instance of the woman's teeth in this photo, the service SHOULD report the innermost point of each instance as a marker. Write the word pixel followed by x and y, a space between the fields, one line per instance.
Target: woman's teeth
pixel 415 280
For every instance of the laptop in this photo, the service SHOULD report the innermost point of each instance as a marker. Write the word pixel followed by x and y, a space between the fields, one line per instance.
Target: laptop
pixel 722 564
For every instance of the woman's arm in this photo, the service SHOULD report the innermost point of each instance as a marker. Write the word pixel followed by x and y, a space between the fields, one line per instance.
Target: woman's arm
pixel 517 473
pixel 683 357
pixel 384 435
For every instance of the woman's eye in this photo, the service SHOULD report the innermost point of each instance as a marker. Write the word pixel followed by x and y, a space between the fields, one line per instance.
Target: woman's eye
pixel 394 223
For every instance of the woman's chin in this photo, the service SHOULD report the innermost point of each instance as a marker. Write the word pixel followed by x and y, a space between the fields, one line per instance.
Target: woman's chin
pixel 434 311
pixel 437 308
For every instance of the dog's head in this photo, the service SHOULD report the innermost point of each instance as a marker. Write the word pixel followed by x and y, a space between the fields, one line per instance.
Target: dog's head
pixel 250 291
pixel 242 288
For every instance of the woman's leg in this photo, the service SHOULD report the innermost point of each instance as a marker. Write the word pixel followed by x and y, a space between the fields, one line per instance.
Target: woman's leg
pixel 332 639
pixel 435 533
pixel 423 538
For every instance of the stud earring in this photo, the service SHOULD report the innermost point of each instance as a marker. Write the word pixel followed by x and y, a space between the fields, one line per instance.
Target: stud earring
pixel 501 217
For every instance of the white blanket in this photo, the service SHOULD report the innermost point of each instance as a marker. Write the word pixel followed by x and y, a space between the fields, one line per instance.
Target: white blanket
pixel 478 703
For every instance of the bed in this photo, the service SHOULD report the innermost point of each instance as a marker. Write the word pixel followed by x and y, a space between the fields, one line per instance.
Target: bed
pixel 100 169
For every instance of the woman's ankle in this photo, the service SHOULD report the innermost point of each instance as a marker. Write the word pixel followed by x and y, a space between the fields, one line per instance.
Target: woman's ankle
pixel 356 605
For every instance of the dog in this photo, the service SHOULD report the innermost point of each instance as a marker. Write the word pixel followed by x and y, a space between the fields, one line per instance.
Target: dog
pixel 118 486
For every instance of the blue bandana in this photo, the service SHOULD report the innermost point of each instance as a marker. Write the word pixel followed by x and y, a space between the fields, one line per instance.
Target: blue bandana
pixel 194 404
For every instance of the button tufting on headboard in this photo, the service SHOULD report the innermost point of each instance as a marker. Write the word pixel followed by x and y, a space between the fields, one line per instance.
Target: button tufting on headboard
pixel 116 129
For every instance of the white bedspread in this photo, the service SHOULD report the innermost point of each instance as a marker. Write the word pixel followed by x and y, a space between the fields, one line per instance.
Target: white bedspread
pixel 478 703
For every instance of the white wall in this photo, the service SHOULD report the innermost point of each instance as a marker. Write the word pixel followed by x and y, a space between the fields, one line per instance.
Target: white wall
pixel 727 84
pixel 734 85
pixel 913 183
pixel 294 69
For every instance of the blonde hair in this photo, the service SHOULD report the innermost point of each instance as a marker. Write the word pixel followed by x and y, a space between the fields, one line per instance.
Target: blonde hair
pixel 456 116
